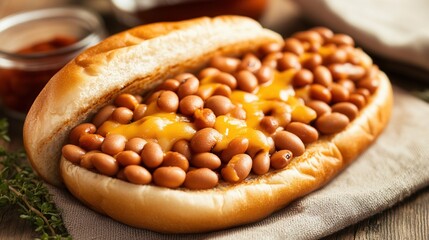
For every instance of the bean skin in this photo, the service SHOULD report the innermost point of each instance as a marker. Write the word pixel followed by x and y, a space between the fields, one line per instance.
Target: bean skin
pixel 268 48
pixel 139 112
pixel 281 159
pixel 319 92
pixel 103 114
pixel 237 169
pixel 128 157
pixel 189 87
pixel 225 64
pixel 246 81
pixel 269 124
pixel 105 164
pixel 137 174
pixel 79 130
pixel 170 85
pixel 293 45
pixel 346 108
pixel 302 78
pixel 250 63
pixel 135 144
pixel 171 177
pixel 122 115
pixel 322 76
pixel 289 61
pixel 183 147
pixel 264 74
pixel 73 153
pixel 204 118
pixel 152 155
pixel 289 141
pixel 168 101
pixel 305 132
pixel 175 159
pixel 332 123
pixel 206 160
pixel 261 163
pixel 126 100
pixel 220 105
pixel 236 146
pixel 208 72
pixel 357 100
pixel 202 178
pixel 225 78
pixel 189 104
pixel 91 141
pixel 113 144
pixel 319 106
pixel 204 140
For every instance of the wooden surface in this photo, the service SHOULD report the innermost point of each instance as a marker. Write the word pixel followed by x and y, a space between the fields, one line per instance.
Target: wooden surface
pixel 406 220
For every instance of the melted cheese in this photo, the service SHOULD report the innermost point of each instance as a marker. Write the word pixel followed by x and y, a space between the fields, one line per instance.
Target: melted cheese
pixel 276 97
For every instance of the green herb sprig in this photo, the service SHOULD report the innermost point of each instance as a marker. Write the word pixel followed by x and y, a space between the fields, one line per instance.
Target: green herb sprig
pixel 21 187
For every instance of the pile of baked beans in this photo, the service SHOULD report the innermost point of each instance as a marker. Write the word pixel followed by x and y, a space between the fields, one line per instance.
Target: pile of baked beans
pixel 331 78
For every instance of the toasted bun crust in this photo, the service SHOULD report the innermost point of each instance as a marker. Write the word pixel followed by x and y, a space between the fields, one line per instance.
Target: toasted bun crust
pixel 122 63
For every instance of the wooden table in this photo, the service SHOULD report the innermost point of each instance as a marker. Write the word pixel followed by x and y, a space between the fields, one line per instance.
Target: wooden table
pixel 407 220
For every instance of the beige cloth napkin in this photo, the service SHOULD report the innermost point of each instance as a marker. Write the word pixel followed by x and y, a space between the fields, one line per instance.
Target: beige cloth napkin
pixel 396 166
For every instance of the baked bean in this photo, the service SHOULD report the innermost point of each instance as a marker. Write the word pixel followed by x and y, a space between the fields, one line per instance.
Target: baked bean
pixel 105 164
pixel 239 113
pixel 225 64
pixel 206 160
pixel 271 144
pixel 293 45
pixel 122 115
pixel 237 169
pixel 220 105
pixel 204 140
pixel 308 36
pixel 312 61
pixel 113 144
pixel 357 100
pixel 135 144
pixel 287 140
pixel 288 61
pixel 319 107
pixel 139 98
pixel 268 48
pixel 369 83
pixel 79 130
pixel 302 113
pixel 189 104
pixel 175 159
pixel 168 101
pixel 347 84
pixel 261 163
pixel 182 147
pixel 236 146
pixel 222 90
pixel 128 157
pixel 284 117
pixel 326 33
pixel 208 72
pixel 152 155
pixel 281 159
pixel 102 115
pixel 189 87
pixel 319 92
pixel 337 56
pixel 269 124
pixel 225 78
pixel 264 74
pixel 137 174
pixel 250 63
pixel 332 123
pixel 302 78
pixel 246 81
pixel 339 93
pixel 305 132
pixel 139 112
pixel 126 100
pixel 169 85
pixel 341 39
pixel 85 160
pixel 202 178
pixel 271 60
pixel 346 108
pixel 182 77
pixel 73 153
pixel 346 71
pixel 322 76
pixel 364 92
pixel 204 118
pixel 91 141
pixel 153 96
pixel 171 177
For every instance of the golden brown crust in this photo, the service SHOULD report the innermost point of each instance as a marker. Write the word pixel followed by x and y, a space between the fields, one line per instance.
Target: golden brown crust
pixel 169 210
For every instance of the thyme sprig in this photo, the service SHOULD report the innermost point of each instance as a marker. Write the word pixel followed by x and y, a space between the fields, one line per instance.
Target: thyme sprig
pixel 22 188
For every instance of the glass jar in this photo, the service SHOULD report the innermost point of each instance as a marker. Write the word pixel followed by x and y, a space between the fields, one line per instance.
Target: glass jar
pixel 34 45
pixel 135 12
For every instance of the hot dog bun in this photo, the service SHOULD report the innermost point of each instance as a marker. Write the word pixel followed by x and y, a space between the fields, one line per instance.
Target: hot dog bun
pixel 135 61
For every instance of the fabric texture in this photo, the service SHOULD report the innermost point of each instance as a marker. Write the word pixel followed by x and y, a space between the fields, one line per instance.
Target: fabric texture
pixel 394 167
